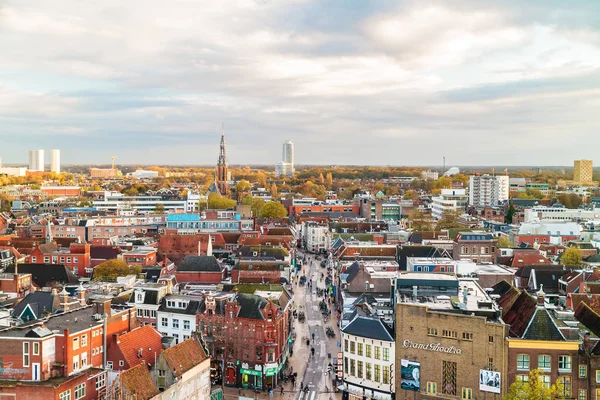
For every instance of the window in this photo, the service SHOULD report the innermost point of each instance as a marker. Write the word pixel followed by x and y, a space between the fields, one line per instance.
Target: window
pixel 33 260
pixel 345 365
pixel 368 350
pixel 522 378
pixel 66 395
pixel 546 380
pixel 490 339
pixel 386 354
pixel 352 367
pixel 80 391
pixel 432 331
pixel 368 371
pixel 352 348
pixel 109 365
pixel 140 313
pixel 83 340
pixel 490 363
pixel 467 336
pixel 75 343
pixel 565 382
pixel 523 362
pixel 544 362
pixel 83 360
pixel 359 367
pixel 69 259
pixel 164 322
pixel 467 393
pixel 449 377
pixel 583 371
pixel 121 363
pixel 449 334
pixel 345 344
pixel 597 394
pixel 582 394
pixel 26 354
pixel 377 353
pixel 36 348
pixel 46 259
pixel 75 363
pixel 431 387
pixel 564 363
pixel 377 372
pixel 186 325
pixel 175 323
pixel 100 381
pixel 386 374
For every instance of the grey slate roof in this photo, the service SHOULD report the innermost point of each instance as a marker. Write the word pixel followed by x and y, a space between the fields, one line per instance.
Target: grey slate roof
pixel 542 327
pixel 368 327
pixel 43 274
pixel 38 301
pixel 199 264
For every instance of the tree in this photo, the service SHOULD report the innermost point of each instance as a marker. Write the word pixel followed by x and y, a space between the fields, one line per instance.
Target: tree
pixel 159 209
pixel 509 214
pixel 504 242
pixel 274 190
pixel 329 180
pixel 321 178
pixel 443 182
pixel 449 220
pixel 261 178
pixel 256 204
pixel 242 187
pixel 534 389
pixel 111 269
pixel 571 257
pixel 218 202
pixel 273 209
pixel 410 195
pixel 419 221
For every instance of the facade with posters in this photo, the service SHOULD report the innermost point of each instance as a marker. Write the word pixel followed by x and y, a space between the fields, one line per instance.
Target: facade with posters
pixel 368 350
pixel 449 345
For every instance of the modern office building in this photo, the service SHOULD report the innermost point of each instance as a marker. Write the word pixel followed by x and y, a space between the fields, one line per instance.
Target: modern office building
pixel 36 160
pixel 583 171
pixel 286 166
pixel 488 190
pixel 55 161
pixel 449 200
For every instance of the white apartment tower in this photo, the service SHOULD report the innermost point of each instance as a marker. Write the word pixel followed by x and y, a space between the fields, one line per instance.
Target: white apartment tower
pixel 55 161
pixel 487 190
pixel 286 166
pixel 36 160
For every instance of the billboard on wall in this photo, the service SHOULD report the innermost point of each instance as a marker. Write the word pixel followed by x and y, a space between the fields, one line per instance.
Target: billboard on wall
pixel 489 381
pixel 410 375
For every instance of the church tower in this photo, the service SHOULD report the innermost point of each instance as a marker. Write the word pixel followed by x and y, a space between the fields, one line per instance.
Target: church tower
pixel 222 177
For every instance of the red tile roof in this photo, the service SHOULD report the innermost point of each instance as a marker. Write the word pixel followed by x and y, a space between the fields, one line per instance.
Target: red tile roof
pixel 521 260
pixel 138 382
pixel 146 338
pixel 184 356
pixel 520 313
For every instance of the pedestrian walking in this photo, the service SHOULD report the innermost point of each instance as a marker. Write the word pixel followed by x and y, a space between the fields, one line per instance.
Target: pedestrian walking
pixel 282 390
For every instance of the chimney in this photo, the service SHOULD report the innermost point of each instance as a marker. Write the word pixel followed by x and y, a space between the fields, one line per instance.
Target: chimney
pixel 81 295
pixel 64 299
pixel 540 296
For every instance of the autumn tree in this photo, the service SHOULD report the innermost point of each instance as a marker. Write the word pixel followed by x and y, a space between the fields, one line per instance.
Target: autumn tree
pixel 534 389
pixel 571 257
pixel 241 188
pixel 504 242
pixel 329 180
pixel 261 178
pixel 218 202
pixel 273 209
pixel 274 190
pixel 255 203
pixel 410 195
pixel 321 178
pixel 448 220
pixel 110 270
pixel 419 221
pixel 159 209
pixel 443 182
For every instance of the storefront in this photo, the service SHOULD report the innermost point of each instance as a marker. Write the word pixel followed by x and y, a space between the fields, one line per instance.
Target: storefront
pixel 251 377
pixel 271 370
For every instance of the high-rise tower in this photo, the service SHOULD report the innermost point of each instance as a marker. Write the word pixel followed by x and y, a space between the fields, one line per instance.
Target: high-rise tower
pixel 55 161
pixel 286 166
pixel 222 175
pixel 36 160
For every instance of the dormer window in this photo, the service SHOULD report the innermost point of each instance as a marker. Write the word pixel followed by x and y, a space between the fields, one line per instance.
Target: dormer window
pixel 139 298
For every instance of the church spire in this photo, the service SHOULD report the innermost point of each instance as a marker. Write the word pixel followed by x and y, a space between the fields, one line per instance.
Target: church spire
pixel 222 178
pixel 222 151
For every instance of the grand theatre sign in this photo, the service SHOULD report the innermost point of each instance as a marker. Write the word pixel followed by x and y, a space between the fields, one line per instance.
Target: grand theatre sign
pixel 437 347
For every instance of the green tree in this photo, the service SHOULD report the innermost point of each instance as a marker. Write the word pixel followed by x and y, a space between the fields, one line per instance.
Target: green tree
pixel 571 257
pixel 218 202
pixel 419 221
pixel 241 188
pixel 111 269
pixel 443 182
pixel 256 204
pixel 534 389
pixel 504 242
pixel 273 209
pixel 509 214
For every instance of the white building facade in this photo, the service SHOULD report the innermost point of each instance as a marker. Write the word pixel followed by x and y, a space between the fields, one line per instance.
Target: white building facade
pixel 559 214
pixel 368 354
pixel 315 237
pixel 55 161
pixel 449 200
pixel 142 204
pixel 488 190
pixel 176 317
pixel 36 160
pixel 286 166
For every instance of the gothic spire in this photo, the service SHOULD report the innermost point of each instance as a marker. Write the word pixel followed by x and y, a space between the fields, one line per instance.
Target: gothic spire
pixel 222 152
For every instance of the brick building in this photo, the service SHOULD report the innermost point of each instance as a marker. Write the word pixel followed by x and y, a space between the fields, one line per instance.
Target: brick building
pixel 478 247
pixel 76 257
pixel 202 269
pixel 143 257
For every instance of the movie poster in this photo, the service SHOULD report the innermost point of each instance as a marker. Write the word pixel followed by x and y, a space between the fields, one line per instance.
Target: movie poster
pixel 410 375
pixel 489 381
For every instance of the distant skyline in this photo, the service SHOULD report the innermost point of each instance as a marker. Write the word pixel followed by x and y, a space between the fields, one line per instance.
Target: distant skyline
pixel 372 82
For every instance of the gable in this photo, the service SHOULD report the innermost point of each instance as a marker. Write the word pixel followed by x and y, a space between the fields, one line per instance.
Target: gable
pixel 27 314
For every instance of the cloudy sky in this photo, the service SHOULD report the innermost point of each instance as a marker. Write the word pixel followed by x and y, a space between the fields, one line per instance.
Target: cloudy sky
pixel 481 82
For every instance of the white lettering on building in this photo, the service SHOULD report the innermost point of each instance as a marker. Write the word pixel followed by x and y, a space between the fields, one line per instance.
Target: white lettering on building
pixel 431 347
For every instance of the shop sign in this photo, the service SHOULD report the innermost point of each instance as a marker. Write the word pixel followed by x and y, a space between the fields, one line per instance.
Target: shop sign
pixel 270 371
pixel 250 372
pixel 437 347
